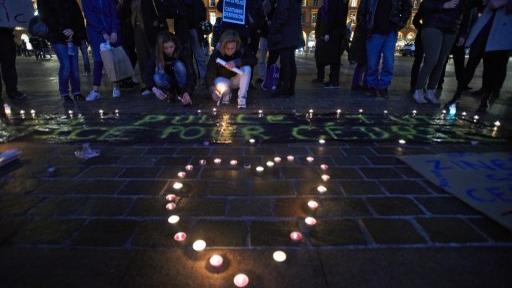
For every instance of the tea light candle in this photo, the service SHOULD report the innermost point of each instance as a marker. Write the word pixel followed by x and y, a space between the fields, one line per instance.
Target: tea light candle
pixel 324 166
pixel 202 162
pixel 173 219
pixel 270 164
pixel 199 111
pixel 277 159
pixel 170 197
pixel 182 174
pixel 310 221
pixel 312 204
pixel 464 113
pixel 321 141
pixel 497 124
pixel 325 177
pixel 321 189
pixel 177 185
pixel 217 160
pixel 216 260
pixel 33 113
pixel 401 141
pixel 311 111
pixel 214 110
pixel 117 112
pixel 361 110
pixel 190 167
pixel 170 206
pixel 295 236
pixel 310 159
pixel 414 112
pixel 180 236
pixel 279 256
pixel 252 141
pixel 241 280
pixel 260 111
pixel 233 162
pixel 385 111
pixel 338 111
pixel 101 113
pixel 199 245
pixel 290 158
pixel 260 169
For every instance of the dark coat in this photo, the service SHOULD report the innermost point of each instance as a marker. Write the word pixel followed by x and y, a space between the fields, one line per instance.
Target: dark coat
pixel 214 70
pixel 446 20
pixel 357 50
pixel 285 29
pixel 332 23
pixel 154 22
pixel 60 15
pixel 400 12
pixel 175 9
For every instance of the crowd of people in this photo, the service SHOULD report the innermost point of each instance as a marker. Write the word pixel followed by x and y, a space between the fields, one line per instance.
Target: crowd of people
pixel 173 65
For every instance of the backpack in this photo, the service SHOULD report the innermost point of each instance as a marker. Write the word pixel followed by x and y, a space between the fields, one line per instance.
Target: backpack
pixel 37 28
pixel 271 78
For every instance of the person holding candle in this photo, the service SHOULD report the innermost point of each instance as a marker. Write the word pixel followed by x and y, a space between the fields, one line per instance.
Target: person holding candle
pixel 167 74
pixel 229 68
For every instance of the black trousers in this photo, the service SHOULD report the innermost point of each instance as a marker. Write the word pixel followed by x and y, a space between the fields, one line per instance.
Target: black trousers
pixel 495 72
pixel 459 55
pixel 8 62
pixel 418 59
pixel 288 73
pixel 334 72
pixel 476 53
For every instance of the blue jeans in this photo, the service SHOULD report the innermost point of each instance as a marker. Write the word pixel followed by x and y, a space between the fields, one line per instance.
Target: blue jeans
pixel 68 70
pixel 379 45
pixel 176 82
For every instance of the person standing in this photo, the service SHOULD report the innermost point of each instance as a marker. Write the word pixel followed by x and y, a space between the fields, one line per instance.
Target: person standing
pixel 197 14
pixel 285 36
pixel 102 27
pixel 383 20
pixel 66 31
pixel 8 65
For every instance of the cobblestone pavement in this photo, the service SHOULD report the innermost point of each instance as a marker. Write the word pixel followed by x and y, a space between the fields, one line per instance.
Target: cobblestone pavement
pixel 104 223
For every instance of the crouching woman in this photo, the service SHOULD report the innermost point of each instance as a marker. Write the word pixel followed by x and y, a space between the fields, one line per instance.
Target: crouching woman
pixel 229 68
pixel 167 75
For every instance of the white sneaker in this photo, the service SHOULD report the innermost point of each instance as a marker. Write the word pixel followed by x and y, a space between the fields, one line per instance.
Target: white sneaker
pixel 419 96
pixel 431 96
pixel 116 92
pixel 242 103
pixel 93 95
pixel 146 93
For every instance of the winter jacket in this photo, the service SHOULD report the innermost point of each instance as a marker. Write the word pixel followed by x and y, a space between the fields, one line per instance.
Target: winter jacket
pixel 500 36
pixel 400 13
pixel 169 69
pixel 154 23
pixel 285 28
pixel 214 70
pixel 446 20
pixel 332 23
pixel 101 16
pixel 196 13
pixel 60 15
pixel 175 9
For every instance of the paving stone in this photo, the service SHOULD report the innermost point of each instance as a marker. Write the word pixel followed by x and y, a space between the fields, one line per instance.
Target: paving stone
pixel 260 151
pixel 148 207
pixel 394 206
pixel 318 160
pixel 143 187
pixel 287 150
pixel 96 187
pixel 380 173
pixel 250 208
pixel 393 231
pixel 342 207
pixel 328 151
pixel 343 173
pixel 300 173
pixel 200 207
pixel 105 232
pixel 9 227
pixel 361 188
pixel 446 206
pixel 236 187
pixel 383 160
pixel 139 160
pixel 140 172
pixel 349 151
pixel 159 233
pixel 268 233
pixel 226 151
pixel 58 206
pixel 105 207
pixel 16 205
pixel 103 159
pixel 18 185
pixel 310 187
pixel 222 174
pixel 293 207
pixel 351 160
pixel 220 233
pixel 434 188
pixel 168 151
pixel 187 151
pixel 336 232
pixel 191 188
pixel 450 230
pixel 401 150
pixel 173 161
pixel 172 172
pixel 409 172
pixel 404 187
pixel 492 229
pixel 273 188
pixel 101 172
pixel 48 231
pixel 119 150
pixel 56 187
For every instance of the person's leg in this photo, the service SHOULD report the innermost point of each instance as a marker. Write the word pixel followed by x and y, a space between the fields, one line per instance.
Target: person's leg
pixel 334 73
pixel 85 56
pixel 285 72
pixel 9 72
pixel 432 42
pixel 373 50
pixel 198 51
pixel 142 48
pixel 446 46
pixel 388 61
pixel 272 57
pixel 293 66
pixel 221 89
pixel 74 73
pixel 180 74
pixel 476 53
pixel 61 50
pixel 95 40
pixel 262 57
pixel 497 62
pixel 357 77
pixel 459 55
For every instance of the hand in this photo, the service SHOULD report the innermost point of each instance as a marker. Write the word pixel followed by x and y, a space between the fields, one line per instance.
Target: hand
pixel 461 41
pixel 326 38
pixel 113 37
pixel 159 93
pixel 106 37
pixel 230 65
pixel 185 99
pixel 450 4
pixel 68 33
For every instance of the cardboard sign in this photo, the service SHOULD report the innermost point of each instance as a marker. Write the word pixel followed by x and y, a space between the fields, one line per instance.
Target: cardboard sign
pixel 15 13
pixel 483 181
pixel 234 11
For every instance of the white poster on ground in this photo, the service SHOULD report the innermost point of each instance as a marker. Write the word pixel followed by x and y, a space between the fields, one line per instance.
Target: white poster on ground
pixel 15 13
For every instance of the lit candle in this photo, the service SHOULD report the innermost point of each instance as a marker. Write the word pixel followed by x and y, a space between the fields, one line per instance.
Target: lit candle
pixel 22 114
pixel 310 221
pixel 321 189
pixel 170 206
pixel 7 110
pixel 177 185
pixel 170 197
pixel 260 169
pixel 338 111
pixel 70 112
pixel 173 219
pixel 182 174
pixel 252 141
pixel 214 110
pixel 414 112
pixel 312 204
pixel 233 162
pixel 290 158
pixel 270 164
pixel 295 236
pixel 180 236
pixel 260 111
pixel 241 280
pixel 324 166
pixel 325 177
pixel 361 110
pixel 216 260
pixel 476 117
pixel 310 159
pixel 464 113
pixel 202 162
pixel 277 159
pixel 199 245
pixel 117 112
pixel 33 113
pixel 444 111
pixel 217 160
pixel 310 111
pixel 199 111
pixel 385 111
pixel 497 124
pixel 279 256
pixel 401 141
pixel 321 141
pixel 101 113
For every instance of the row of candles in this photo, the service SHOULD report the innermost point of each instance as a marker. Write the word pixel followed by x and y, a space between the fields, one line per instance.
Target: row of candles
pixel 216 260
